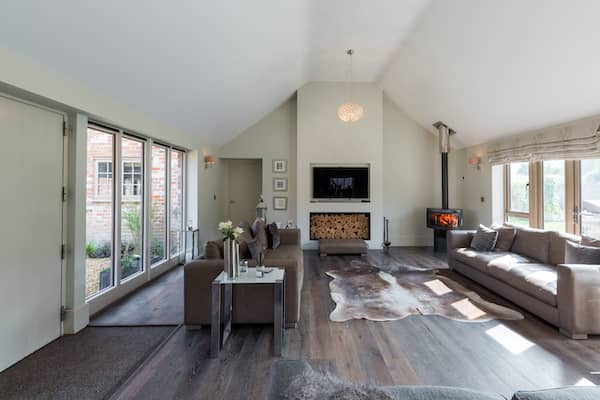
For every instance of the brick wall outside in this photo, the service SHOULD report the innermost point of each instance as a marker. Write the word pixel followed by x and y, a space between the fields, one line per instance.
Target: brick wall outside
pixel 99 208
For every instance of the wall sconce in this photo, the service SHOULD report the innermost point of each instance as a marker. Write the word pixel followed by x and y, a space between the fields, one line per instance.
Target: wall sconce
pixel 209 161
pixel 475 162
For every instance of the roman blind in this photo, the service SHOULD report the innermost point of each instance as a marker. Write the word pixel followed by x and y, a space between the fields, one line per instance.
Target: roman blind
pixel 570 141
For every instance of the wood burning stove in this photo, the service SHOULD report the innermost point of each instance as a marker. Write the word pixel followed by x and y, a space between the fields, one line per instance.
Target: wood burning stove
pixel 441 220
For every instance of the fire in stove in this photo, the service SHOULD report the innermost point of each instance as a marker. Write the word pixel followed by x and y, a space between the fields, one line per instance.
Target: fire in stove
pixel 444 218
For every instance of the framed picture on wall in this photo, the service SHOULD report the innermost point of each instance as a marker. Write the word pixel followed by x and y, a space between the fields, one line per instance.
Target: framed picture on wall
pixel 280 203
pixel 280 184
pixel 279 166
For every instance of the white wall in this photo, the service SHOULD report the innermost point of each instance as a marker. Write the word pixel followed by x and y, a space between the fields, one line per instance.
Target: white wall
pixel 273 137
pixel 473 184
pixel 411 176
pixel 323 138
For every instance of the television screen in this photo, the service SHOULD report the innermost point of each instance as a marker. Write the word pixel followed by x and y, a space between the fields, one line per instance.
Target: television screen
pixel 341 183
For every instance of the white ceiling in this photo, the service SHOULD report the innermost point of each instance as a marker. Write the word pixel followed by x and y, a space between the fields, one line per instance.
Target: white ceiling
pixel 485 67
pixel 492 68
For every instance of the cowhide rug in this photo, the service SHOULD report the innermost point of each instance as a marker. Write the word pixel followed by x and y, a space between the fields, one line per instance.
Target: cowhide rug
pixel 392 292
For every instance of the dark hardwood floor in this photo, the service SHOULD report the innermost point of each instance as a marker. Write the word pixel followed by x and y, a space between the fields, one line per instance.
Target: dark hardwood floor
pixel 499 356
pixel 158 303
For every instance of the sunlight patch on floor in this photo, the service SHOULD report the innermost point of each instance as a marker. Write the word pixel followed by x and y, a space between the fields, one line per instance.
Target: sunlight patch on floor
pixel 584 382
pixel 438 287
pixel 468 309
pixel 509 339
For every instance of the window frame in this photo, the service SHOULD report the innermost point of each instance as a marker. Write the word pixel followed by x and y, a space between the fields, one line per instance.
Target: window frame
pixel 508 212
pixel 97 162
pixel 132 198
pixel 119 287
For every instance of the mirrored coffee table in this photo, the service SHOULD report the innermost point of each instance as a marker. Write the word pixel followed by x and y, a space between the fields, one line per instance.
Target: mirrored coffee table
pixel 276 278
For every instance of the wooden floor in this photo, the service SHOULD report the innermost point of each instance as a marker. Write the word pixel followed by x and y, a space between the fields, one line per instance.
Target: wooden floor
pixel 499 356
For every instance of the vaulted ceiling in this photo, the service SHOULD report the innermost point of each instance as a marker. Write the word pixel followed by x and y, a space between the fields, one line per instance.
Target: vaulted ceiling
pixel 486 67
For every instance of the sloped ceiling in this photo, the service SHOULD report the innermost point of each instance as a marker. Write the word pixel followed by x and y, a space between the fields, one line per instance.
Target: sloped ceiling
pixel 494 68
pixel 486 67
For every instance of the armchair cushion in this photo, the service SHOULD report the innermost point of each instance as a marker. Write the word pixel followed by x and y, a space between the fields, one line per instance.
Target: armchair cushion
pixel 213 249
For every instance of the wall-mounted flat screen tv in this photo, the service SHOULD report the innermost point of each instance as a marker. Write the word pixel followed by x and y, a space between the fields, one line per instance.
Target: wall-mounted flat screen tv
pixel 338 183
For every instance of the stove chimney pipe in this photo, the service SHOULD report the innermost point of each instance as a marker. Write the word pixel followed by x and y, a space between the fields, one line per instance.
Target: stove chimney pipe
pixel 444 141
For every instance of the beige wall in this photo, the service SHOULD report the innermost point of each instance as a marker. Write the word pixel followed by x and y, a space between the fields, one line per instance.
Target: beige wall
pixel 411 176
pixel 323 138
pixel 273 137
pixel 473 184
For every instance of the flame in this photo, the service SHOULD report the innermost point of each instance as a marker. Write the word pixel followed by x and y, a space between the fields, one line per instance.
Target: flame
pixel 448 220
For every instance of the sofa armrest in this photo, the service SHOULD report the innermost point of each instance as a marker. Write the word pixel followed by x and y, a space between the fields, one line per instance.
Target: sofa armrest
pixel 290 236
pixel 198 276
pixel 459 238
pixel 578 298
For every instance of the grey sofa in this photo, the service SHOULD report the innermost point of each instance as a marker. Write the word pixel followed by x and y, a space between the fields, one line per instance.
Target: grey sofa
pixel 532 274
pixel 252 304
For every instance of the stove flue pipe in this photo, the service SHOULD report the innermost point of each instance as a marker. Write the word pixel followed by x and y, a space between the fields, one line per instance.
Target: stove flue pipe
pixel 444 134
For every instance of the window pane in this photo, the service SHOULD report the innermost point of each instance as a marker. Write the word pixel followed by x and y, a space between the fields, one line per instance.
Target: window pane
pixel 176 197
pixel 518 221
pixel 590 197
pixel 131 210
pixel 158 213
pixel 519 187
pixel 99 212
pixel 554 195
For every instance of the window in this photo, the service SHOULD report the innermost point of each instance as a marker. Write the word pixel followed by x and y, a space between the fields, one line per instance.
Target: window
pixel 132 207
pixel 99 263
pixel 135 190
pixel 132 178
pixel 158 213
pixel 589 204
pixel 554 195
pixel 517 193
pixel 176 203
pixel 104 179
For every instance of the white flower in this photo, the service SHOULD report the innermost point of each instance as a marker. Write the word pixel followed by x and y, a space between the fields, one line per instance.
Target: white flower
pixel 237 231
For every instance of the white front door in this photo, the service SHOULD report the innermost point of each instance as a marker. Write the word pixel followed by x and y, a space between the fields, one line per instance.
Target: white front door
pixel 31 172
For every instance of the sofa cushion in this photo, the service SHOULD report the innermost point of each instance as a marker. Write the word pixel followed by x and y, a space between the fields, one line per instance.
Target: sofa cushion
pixel 284 252
pixel 213 249
pixel 534 279
pixel 259 231
pixel 506 236
pixel 567 393
pixel 484 239
pixel 532 243
pixel 556 251
pixel 580 254
pixel 590 241
pixel 479 259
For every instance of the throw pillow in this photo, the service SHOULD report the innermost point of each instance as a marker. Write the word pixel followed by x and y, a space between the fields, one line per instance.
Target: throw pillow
pixel 506 236
pixel 213 249
pixel 484 239
pixel 580 254
pixel 274 236
pixel 244 238
pixel 259 231
pixel 255 249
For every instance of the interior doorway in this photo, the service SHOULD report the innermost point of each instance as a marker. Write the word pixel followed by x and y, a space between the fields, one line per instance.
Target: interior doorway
pixel 243 186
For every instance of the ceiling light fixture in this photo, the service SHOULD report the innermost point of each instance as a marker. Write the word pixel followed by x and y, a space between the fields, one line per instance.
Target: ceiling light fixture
pixel 350 111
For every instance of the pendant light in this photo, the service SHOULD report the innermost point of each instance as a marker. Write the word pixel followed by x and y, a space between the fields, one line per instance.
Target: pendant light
pixel 350 111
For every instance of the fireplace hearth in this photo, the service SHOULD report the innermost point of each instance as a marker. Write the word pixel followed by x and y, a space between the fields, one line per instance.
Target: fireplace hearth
pixel 443 219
